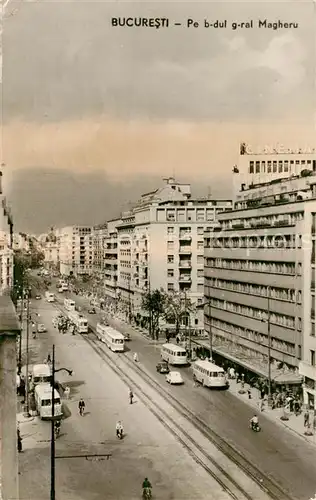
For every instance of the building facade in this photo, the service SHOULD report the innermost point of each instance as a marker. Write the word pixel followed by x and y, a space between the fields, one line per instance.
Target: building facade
pixel 111 263
pixel 160 246
pixel 75 245
pixel 99 238
pixel 259 272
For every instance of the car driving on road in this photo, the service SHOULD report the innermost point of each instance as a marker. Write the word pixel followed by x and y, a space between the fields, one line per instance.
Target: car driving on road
pixel 174 378
pixel 162 367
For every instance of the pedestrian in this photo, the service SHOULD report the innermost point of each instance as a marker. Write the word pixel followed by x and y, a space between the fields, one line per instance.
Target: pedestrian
pixel 249 393
pixel 19 440
pixel 261 405
pixel 67 392
pixel 135 357
pixel 306 418
pixel 131 395
pixel 231 373
pixel 237 378
pixel 177 339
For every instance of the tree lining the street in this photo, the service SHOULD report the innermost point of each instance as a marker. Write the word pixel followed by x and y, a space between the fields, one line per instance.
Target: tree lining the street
pixel 171 306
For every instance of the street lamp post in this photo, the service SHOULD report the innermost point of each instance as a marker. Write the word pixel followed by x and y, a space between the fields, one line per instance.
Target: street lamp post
pixel 202 306
pixel 52 442
pixel 27 412
pixel 269 349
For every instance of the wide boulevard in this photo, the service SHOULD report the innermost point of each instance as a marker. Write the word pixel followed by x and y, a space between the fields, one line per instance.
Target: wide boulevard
pixel 276 451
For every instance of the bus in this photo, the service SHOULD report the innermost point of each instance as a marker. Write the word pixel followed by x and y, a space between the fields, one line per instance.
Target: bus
pixel 111 337
pixel 209 374
pixel 69 304
pixel 80 322
pixel 43 402
pixel 41 374
pixel 50 297
pixel 174 354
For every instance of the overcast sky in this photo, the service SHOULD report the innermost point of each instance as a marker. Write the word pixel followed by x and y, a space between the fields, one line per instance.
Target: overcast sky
pixel 93 115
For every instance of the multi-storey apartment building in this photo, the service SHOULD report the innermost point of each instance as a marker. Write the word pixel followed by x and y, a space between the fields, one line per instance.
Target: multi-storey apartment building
pixel 75 250
pixel 99 238
pixel 260 273
pixel 111 262
pixel 160 245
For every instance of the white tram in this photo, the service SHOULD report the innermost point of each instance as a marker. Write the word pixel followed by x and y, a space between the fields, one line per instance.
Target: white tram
pixel 174 354
pixel 209 374
pixel 80 322
pixel 111 337
pixel 43 401
pixel 69 304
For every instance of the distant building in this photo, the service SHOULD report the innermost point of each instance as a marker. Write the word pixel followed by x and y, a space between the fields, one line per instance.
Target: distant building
pixel 6 245
pixel 75 246
pixel 98 242
pixel 111 262
pixel 21 242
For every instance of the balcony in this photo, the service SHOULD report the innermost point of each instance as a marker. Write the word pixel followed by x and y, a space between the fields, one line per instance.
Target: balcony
pixel 185 279
pixel 185 263
pixel 261 224
pixel 185 237
pixel 185 250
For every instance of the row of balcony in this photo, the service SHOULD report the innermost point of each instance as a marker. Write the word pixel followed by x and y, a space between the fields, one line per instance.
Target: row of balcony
pixel 260 224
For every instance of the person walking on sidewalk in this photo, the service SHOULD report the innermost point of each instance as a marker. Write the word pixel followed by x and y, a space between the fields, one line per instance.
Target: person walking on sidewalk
pixel 19 440
pixel 131 395
pixel 306 418
pixel 81 407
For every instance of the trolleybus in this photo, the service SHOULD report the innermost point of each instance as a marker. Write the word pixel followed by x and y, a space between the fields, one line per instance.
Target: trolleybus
pixel 111 337
pixel 174 354
pixel 80 322
pixel 50 297
pixel 209 374
pixel 69 304
pixel 43 401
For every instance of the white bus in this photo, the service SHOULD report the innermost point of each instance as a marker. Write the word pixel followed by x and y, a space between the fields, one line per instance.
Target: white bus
pixel 174 354
pixel 69 304
pixel 41 374
pixel 209 374
pixel 80 322
pixel 43 401
pixel 50 297
pixel 111 337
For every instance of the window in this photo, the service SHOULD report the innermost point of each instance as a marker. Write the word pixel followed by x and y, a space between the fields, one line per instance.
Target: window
pixel 257 167
pixel 269 167
pixel 170 245
pixel 312 357
pixel 170 287
pixel 200 231
pixel 280 166
pixel 170 273
pixel 263 163
pixel 170 229
pixel 200 245
pixel 275 167
pixel 170 259
pixel 251 167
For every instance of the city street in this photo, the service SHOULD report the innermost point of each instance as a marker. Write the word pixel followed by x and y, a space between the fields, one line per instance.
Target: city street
pixel 147 449
pixel 275 451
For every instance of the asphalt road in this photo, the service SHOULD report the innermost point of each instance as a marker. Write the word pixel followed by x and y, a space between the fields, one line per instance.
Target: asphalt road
pixel 148 449
pixel 275 451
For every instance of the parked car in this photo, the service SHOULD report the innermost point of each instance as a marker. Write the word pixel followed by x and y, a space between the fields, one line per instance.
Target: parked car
pixel 38 297
pixel 127 336
pixel 41 328
pixel 92 310
pixel 174 378
pixel 162 367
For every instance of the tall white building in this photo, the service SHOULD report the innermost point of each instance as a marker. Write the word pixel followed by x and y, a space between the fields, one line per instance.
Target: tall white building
pixel 75 245
pixel 260 272
pixel 111 262
pixel 160 245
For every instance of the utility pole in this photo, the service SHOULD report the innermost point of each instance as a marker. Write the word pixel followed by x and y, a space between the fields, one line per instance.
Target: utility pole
pixel 269 348
pixel 27 412
pixel 52 442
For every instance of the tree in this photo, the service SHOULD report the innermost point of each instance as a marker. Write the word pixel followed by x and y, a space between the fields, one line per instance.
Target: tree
pixel 154 303
pixel 177 307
